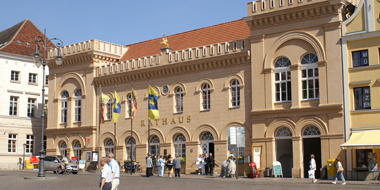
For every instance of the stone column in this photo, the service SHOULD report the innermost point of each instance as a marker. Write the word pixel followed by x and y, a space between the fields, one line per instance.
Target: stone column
pixel 141 151
pixel 322 82
pixel 220 153
pixel 297 171
pixel 295 80
pixel 192 151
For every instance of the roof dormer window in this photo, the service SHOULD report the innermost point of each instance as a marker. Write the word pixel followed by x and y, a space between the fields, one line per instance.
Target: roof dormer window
pixel 18 42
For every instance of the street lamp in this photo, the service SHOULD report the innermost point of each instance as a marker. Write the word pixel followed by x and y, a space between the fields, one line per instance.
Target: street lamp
pixel 42 61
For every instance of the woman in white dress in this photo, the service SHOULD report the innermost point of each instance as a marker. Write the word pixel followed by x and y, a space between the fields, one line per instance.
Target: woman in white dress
pixel 203 164
pixel 199 164
pixel 313 167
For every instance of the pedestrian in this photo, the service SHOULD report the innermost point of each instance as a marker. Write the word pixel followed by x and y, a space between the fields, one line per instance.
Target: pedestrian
pixel 161 163
pixel 105 177
pixel 211 164
pixel 170 165
pixel 115 168
pixel 206 164
pixel 177 166
pixel 149 165
pixel 313 167
pixel 203 164
pixel 339 172
pixel 199 164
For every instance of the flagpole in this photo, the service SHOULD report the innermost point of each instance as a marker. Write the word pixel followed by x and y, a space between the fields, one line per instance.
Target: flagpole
pixel 100 118
pixel 114 126
pixel 148 119
pixel 131 125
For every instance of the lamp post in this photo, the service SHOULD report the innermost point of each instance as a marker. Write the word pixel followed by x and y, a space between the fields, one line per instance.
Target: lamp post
pixel 42 61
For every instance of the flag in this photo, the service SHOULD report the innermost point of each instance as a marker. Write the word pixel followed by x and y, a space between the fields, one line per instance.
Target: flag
pixel 152 104
pixel 133 104
pixel 105 100
pixel 116 108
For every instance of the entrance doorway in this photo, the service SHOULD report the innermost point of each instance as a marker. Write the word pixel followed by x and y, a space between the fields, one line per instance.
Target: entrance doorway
pixel 284 150
pixel 311 145
pixel 207 145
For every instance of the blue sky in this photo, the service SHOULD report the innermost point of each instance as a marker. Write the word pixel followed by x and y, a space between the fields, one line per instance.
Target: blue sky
pixel 119 21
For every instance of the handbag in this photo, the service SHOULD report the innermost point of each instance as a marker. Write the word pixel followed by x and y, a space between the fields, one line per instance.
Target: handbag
pixel 340 168
pixel 311 174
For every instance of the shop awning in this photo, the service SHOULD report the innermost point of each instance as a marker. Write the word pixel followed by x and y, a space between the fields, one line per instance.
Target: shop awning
pixel 363 140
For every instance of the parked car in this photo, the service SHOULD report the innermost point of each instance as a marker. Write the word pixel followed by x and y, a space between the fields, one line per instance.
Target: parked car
pixel 52 162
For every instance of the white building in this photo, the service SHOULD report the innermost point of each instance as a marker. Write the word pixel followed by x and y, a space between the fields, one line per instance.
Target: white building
pixel 20 95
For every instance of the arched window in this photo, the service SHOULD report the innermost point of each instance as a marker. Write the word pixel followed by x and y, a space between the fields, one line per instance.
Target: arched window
pixel 77 150
pixel 309 76
pixel 108 146
pixel 206 95
pixel 62 148
pixel 131 144
pixel 155 145
pixel 78 105
pixel 283 132
pixel 311 131
pixel 235 93
pixel 179 100
pixel 179 145
pixel 64 99
pixel 129 102
pixel 282 80
pixel 207 136
pixel 109 108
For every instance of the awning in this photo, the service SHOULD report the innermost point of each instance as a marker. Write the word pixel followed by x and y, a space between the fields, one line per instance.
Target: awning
pixel 363 140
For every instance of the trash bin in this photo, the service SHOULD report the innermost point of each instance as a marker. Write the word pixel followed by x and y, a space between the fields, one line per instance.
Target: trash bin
pixel 331 169
pixel 267 172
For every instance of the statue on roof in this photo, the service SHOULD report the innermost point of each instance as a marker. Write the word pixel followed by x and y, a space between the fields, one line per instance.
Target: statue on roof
pixel 165 41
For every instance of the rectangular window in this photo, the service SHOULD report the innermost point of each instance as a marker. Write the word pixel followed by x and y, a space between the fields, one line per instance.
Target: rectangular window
pixel 180 149
pixel 64 111
pixel 290 2
pixel 243 44
pixel 281 2
pixel 78 110
pixel 109 110
pixel 219 48
pixel 197 52
pixel 262 4
pixel 360 58
pixel 12 143
pixel 183 54
pixel 29 144
pixel 204 51
pixel 283 86
pixel 170 57
pixel 13 105
pixel 362 98
pixel 176 55
pixel 179 102
pixel 271 3
pixel 227 47
pixel 32 78
pixel 145 62
pixel 362 157
pixel 254 7
pixel 128 151
pixel 235 45
pixel 211 50
pixel 15 75
pixel 190 53
pixel 310 83
pixel 31 107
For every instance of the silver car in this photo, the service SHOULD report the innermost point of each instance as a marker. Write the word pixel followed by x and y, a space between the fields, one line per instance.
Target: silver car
pixel 52 162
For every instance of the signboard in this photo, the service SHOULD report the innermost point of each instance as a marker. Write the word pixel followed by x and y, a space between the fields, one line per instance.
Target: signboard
pixel 94 156
pixel 34 160
pixel 231 135
pixel 74 159
pixel 277 169
pixel 82 164
pixel 256 156
pixel 88 156
pixel 236 135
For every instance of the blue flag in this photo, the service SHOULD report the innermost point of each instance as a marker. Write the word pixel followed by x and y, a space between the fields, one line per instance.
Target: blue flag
pixel 152 104
pixel 117 108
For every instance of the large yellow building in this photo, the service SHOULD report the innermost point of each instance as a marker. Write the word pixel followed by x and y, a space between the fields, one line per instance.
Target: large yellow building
pixel 360 49
pixel 276 72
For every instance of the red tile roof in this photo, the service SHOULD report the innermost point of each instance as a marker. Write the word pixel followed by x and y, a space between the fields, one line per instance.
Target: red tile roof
pixel 224 32
pixel 24 32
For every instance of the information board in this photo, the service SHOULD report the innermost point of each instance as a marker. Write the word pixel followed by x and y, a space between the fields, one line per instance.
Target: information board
pixel 82 164
pixel 236 135
pixel 257 156
pixel 277 169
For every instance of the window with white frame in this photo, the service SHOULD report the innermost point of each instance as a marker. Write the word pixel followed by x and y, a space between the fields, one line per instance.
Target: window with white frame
pixel 63 148
pixel 12 143
pixel 139 63
pixel 227 47
pixel 204 51
pixel 262 4
pixel 170 56
pixel 211 50
pixel 281 2
pixel 32 78
pixel 197 52
pixel 151 60
pixel 29 144
pixel 309 76
pixel 179 145
pixel 133 64
pixel 282 80
pixel 254 6
pixel 64 102
pixel 299 1
pixel 176 56
pixel 13 105
pixel 219 48
pixel 77 149
pixel 242 44
pixel 144 61
pixel 15 75
pixel 31 112
pixel 290 2
pixel 178 100
pixel 129 102
pixel 235 93
pixel 271 3
pixel 206 95
pixel 78 106
pixel 130 144
pixel 235 45
pixel 109 108
pixel 190 53
pixel 183 54
pixel 155 145
pixel 108 146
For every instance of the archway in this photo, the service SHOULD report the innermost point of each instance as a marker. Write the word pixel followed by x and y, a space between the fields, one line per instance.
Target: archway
pixel 207 143
pixel 284 150
pixel 311 142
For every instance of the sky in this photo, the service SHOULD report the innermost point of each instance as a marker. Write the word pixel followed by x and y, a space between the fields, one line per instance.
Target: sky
pixel 120 22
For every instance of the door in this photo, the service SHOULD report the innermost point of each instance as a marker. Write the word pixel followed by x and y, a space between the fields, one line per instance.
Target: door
pixel 312 146
pixel 204 147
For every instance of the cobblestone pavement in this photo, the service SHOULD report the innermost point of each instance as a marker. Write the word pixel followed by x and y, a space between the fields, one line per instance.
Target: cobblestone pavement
pixel 86 180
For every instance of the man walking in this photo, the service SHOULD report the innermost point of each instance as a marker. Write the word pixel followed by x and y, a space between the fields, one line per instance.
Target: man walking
pixel 115 170
pixel 105 178
pixel 210 164
pixel 149 165
pixel 177 166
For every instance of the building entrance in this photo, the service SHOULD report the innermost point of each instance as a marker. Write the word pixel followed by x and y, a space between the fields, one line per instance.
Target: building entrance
pixel 207 145
pixel 284 150
pixel 311 145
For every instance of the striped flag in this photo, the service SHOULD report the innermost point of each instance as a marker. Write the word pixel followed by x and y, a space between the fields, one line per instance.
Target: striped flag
pixel 133 104
pixel 105 100
pixel 152 104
